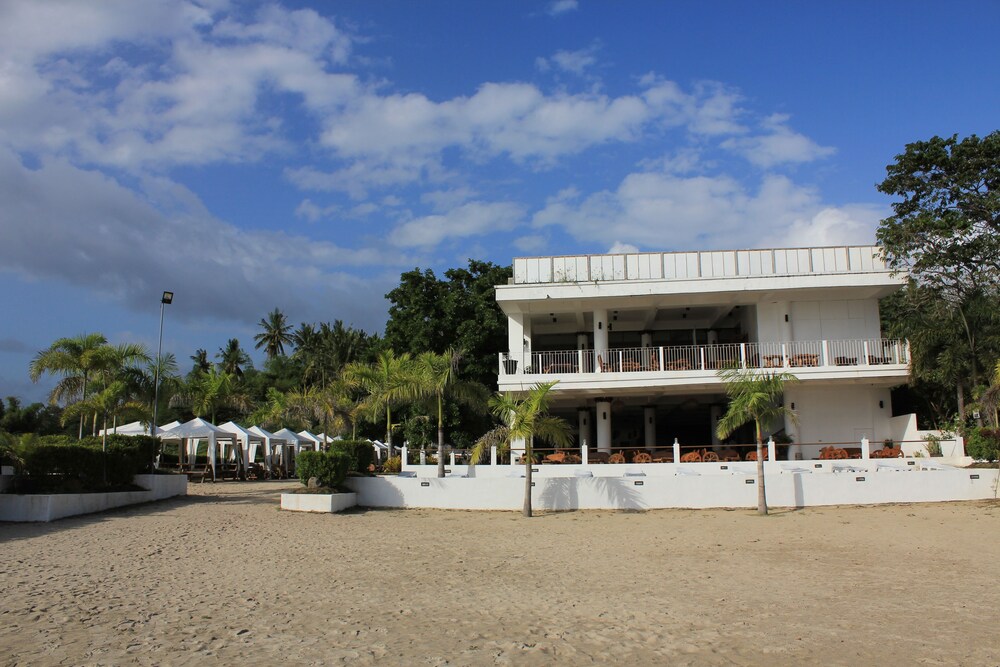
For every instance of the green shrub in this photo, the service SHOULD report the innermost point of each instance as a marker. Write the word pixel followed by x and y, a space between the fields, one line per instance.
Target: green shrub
pixel 983 444
pixel 392 465
pixel 63 464
pixel 361 453
pixel 330 468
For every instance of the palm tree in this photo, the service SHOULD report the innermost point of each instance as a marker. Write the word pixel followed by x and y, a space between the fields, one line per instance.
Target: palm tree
pixel 275 335
pixel 440 377
pixel 523 419
pixel 754 396
pixel 76 359
pixel 387 382
pixel 112 401
pixel 201 362
pixel 206 393
pixel 232 358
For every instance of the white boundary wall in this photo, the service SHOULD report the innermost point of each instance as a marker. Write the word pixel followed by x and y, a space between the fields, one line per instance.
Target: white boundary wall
pixel 49 507
pixel 787 485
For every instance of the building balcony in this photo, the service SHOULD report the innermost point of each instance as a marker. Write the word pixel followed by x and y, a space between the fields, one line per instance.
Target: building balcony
pixel 700 363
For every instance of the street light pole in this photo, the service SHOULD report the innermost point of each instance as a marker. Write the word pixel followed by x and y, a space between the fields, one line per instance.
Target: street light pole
pixel 165 300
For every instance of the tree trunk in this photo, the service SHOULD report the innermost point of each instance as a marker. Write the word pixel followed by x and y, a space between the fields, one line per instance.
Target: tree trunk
pixel 527 479
pixel 960 392
pixel 761 496
pixel 440 441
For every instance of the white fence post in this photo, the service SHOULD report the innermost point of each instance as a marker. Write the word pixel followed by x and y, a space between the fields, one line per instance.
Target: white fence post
pixel 771 449
pixel 423 456
pixel 865 452
pixel 493 455
pixel 402 455
pixel 452 457
pixel 677 451
pixel 584 450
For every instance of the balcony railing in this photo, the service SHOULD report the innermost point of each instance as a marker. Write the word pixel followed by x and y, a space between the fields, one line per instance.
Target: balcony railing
pixel 786 355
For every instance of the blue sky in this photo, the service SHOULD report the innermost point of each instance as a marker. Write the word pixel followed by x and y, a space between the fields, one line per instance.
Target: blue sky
pixel 302 155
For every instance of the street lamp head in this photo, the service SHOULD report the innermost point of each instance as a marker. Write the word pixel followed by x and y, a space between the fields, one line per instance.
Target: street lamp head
pixel 168 297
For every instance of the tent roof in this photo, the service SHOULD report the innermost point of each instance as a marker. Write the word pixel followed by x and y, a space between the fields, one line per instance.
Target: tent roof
pixel 239 430
pixel 267 435
pixel 289 436
pixel 306 435
pixel 196 428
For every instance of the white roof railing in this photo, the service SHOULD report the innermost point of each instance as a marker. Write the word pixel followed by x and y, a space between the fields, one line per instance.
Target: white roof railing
pixel 700 264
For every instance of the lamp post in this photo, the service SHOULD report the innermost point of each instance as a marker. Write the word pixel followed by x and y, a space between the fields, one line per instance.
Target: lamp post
pixel 166 299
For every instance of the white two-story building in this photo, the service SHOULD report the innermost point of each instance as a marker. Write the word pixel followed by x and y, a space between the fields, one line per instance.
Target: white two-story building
pixel 636 342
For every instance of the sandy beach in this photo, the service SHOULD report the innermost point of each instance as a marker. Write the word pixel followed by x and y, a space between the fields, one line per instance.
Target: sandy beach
pixel 224 577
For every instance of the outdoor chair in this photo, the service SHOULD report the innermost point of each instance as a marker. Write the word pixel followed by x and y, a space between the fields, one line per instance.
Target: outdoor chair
pixel 642 457
pixel 598 457
pixel 691 457
pixel 708 456
pixel 557 457
pixel 617 457
pixel 573 458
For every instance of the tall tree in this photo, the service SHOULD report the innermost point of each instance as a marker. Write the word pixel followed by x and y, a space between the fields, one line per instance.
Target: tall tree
pixel 201 362
pixel 754 396
pixel 110 402
pixel 441 381
pixel 523 418
pixel 232 358
pixel 387 382
pixel 76 360
pixel 275 334
pixel 945 231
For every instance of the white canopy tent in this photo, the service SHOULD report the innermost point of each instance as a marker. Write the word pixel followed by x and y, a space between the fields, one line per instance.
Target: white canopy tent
pixel 244 438
pixel 307 439
pixel 197 429
pixel 137 428
pixel 272 444
pixel 381 450
pixel 293 442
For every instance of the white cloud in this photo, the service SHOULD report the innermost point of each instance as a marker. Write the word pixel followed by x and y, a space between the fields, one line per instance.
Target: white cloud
pixel 314 213
pixel 619 248
pixel 470 219
pixel 780 145
pixel 83 228
pixel 558 7
pixel 667 211
pixel 575 62
pixel 531 243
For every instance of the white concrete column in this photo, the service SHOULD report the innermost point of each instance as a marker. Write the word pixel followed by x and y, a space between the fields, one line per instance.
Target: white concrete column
pixel 402 455
pixel 865 451
pixel 493 455
pixel 584 361
pixel 452 454
pixel 582 341
pixel 515 339
pixel 600 336
pixel 647 339
pixel 771 450
pixel 517 448
pixel 715 413
pixel 649 422
pixel 677 451
pixel 585 454
pixel 583 425
pixel 713 337
pixel 423 456
pixel 604 425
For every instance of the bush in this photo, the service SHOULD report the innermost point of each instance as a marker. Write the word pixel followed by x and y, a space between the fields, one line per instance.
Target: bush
pixel 330 468
pixel 983 444
pixel 61 463
pixel 392 465
pixel 361 453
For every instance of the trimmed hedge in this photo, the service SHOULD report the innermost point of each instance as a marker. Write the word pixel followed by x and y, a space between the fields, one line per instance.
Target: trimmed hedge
pixel 60 463
pixel 361 453
pixel 330 468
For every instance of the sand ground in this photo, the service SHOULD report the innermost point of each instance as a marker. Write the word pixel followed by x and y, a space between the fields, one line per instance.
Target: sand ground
pixel 224 577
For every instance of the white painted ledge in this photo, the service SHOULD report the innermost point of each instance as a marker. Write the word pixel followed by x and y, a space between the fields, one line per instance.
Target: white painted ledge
pixel 318 502
pixel 49 507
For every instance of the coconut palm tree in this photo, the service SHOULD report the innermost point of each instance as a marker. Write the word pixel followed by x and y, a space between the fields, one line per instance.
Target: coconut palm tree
pixel 275 335
pixel 201 362
pixel 112 401
pixel 755 396
pixel 387 382
pixel 524 418
pixel 208 392
pixel 440 380
pixel 232 358
pixel 76 360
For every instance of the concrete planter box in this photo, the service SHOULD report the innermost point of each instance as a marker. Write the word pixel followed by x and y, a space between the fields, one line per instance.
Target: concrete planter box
pixel 49 507
pixel 318 502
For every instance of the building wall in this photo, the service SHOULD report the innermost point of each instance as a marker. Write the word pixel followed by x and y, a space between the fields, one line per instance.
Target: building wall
pixel 834 320
pixel 838 414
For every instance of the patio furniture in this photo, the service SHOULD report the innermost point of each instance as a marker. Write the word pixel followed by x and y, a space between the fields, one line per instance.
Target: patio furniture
pixel 773 361
pixel 598 457
pixel 832 453
pixel 729 455
pixel 617 457
pixel 560 367
pixel 678 365
pixel 803 360
pixel 708 456
pixel 642 457
pixel 557 457
pixel 573 458
pixel 691 457
pixel 845 361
